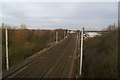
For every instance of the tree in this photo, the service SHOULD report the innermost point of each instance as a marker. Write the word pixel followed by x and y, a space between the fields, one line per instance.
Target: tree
pixel 23 26
pixel 3 25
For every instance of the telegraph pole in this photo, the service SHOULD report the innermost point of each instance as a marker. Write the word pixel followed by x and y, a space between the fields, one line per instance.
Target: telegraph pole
pixel 81 52
pixel 7 58
pixel 56 36
pixel 67 33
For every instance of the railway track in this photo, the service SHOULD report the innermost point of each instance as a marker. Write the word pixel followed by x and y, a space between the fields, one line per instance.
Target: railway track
pixel 54 63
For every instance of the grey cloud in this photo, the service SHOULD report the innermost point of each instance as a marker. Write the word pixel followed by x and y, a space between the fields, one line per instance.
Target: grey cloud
pixel 60 15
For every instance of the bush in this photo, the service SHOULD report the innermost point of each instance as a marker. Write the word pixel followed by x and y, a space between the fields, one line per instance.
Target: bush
pixel 100 59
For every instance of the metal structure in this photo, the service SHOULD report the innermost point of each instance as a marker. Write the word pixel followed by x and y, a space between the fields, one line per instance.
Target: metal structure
pixel 81 55
pixel 7 58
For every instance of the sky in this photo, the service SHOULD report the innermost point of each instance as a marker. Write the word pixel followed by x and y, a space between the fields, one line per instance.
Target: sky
pixel 54 15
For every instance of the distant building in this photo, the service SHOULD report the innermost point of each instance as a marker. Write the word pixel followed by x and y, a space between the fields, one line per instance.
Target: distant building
pixel 91 34
pixel 71 31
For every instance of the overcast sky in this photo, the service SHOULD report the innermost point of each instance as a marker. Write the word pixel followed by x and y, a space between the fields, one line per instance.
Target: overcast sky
pixel 52 15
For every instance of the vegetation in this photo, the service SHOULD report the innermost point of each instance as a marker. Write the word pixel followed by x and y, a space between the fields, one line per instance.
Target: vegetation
pixel 100 55
pixel 25 42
